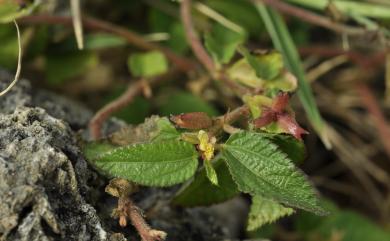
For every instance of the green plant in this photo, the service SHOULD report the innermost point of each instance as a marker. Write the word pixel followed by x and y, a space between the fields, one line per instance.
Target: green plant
pixel 257 157
pixel 253 148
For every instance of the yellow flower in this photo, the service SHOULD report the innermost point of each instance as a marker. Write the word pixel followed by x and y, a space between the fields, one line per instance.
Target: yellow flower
pixel 206 145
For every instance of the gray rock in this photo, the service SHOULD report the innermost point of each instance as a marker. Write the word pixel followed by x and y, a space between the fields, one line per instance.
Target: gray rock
pixel 40 192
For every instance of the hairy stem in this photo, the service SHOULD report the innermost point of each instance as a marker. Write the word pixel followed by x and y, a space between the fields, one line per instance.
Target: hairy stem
pixel 192 38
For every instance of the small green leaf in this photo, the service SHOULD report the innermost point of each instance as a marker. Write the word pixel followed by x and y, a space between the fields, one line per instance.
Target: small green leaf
pixel 201 192
pixel 266 65
pixel 260 168
pixel 222 43
pixel 242 72
pixel 177 41
pixel 265 211
pixel 103 40
pixel 152 164
pixel 210 172
pixel 147 64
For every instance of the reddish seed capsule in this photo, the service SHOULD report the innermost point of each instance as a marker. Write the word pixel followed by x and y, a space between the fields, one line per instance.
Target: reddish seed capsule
pixel 193 120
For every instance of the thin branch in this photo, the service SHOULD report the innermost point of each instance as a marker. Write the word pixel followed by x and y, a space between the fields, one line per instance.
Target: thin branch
pixel 122 189
pixel 19 67
pixel 196 45
pixel 313 18
pixel 182 63
pixel 372 107
pixel 228 119
pixel 96 123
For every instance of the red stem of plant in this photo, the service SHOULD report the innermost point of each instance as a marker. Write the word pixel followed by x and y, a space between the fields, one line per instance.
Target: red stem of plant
pixel 192 38
pixel 372 106
pixel 96 123
pixel 182 63
pixel 312 17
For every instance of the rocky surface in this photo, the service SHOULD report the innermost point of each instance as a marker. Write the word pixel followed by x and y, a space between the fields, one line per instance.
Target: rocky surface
pixel 47 189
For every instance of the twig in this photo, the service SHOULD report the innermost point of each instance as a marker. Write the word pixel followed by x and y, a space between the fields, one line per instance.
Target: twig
pixel 372 107
pixel 192 38
pixel 95 124
pixel 182 63
pixel 19 67
pixel 122 189
pixel 228 119
pixel 312 17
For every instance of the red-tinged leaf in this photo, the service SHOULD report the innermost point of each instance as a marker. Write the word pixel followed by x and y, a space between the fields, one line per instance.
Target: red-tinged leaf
pixel 289 124
pixel 193 120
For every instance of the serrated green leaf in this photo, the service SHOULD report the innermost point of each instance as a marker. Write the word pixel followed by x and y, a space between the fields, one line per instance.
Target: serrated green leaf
pixel 201 192
pixel 267 66
pixel 222 43
pixel 152 164
pixel 210 172
pixel 147 64
pixel 265 211
pixel 283 42
pixel 260 168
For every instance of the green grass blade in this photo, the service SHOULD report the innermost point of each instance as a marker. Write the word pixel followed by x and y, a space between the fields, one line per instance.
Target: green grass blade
pixel 372 10
pixel 283 42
